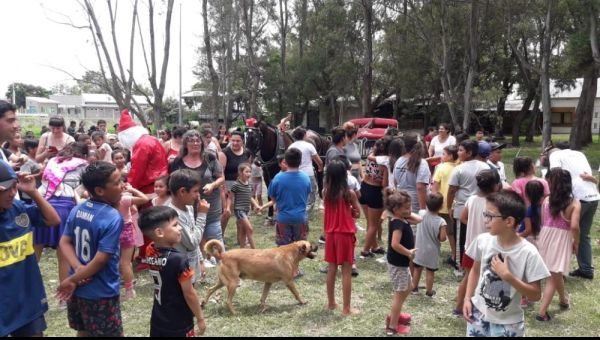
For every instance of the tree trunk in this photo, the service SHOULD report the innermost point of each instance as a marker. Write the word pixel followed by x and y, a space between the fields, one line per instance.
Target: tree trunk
pixel 516 127
pixel 446 80
pixel 302 30
pixel 581 131
pixel 367 82
pixel 545 77
pixel 472 62
pixel 253 72
pixel 535 114
pixel 500 112
pixel 333 117
pixel 214 77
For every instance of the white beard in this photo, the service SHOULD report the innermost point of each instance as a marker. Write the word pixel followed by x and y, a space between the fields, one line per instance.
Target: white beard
pixel 130 136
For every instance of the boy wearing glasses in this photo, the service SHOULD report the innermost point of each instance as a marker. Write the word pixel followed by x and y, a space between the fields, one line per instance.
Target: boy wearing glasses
pixel 505 268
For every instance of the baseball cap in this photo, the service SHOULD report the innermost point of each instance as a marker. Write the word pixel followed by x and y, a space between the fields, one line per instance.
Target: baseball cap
pixel 484 149
pixel 497 146
pixel 8 177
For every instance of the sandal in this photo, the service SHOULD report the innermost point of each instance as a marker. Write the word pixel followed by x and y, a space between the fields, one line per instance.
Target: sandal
pixel 403 319
pixel 379 251
pixel 543 318
pixel 564 305
pixel 367 254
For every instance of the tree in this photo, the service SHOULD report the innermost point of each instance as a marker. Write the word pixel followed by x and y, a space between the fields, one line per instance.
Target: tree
pixel 25 90
pixel 472 60
pixel 214 77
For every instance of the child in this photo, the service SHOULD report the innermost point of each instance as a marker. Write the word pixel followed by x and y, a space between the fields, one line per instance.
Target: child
pixel 31 166
pixel 119 159
pixel 401 250
pixel 257 182
pixel 441 180
pixel 524 171
pixel 430 233
pixel 22 287
pixel 558 237
pixel 241 201
pixel 488 182
pixel 531 226
pixel 129 200
pixel 161 190
pixel 175 300
pixel 103 150
pixel 511 267
pixel 341 207
pixel 185 187
pixel 90 244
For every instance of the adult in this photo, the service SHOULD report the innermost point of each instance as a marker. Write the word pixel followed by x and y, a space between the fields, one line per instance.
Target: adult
pixel 72 130
pixel 14 145
pixel 284 124
pixel 585 189
pixel 101 125
pixel 164 135
pixel 339 138
pixel 235 154
pixel 431 132
pixel 193 157
pixel 411 172
pixel 148 160
pixel 309 155
pixel 61 188
pixel 8 124
pixel 442 140
pixel 173 146
pixel 463 184
pixel 51 143
pixel 223 136
pixel 212 144
pixel 81 127
pixel 351 150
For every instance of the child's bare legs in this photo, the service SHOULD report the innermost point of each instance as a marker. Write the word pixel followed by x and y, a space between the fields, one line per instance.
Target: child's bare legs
pixel 331 273
pixel 63 265
pixel 126 269
pixel 429 276
pixel 549 290
pixel 38 249
pixel 462 290
pixel 559 284
pixel 248 232
pixel 417 277
pixel 241 234
pixel 347 290
pixel 399 298
pixel 452 243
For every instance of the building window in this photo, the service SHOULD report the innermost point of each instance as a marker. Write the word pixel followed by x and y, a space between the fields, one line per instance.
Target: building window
pixel 596 115
pixel 595 126
pixel 562 118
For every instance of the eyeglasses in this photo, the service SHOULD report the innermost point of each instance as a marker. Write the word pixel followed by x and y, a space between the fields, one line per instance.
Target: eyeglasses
pixel 194 141
pixel 487 217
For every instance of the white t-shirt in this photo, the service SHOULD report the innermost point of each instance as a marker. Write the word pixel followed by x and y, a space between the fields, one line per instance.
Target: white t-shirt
pixel 500 168
pixel 353 183
pixel 463 177
pixel 475 224
pixel 308 151
pixel 497 300
pixel 438 147
pixel 385 161
pixel 107 153
pixel 576 164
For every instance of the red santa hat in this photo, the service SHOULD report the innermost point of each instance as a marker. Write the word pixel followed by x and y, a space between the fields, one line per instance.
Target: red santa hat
pixel 126 121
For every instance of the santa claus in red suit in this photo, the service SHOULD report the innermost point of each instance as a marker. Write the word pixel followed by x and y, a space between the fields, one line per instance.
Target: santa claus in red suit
pixel 148 160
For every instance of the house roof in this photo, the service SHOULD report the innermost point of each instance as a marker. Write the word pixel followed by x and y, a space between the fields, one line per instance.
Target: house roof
pixel 42 100
pixel 105 99
pixel 571 92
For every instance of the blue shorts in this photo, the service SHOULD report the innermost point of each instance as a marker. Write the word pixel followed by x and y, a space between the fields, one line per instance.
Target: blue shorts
pixel 241 214
pixel 213 231
pixel 35 327
pixel 481 328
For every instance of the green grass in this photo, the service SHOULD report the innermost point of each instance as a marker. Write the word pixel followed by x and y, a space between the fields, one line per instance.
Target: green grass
pixel 371 293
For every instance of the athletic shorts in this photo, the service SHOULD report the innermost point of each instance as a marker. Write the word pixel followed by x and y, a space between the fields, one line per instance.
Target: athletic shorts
pixel 127 237
pixel 156 332
pixel 400 277
pixel 466 262
pixel 371 196
pixel 97 318
pixel 428 269
pixel 290 233
pixel 339 248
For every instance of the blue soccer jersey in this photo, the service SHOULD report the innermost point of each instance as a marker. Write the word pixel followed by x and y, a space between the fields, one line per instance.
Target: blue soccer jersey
pixel 22 294
pixel 95 227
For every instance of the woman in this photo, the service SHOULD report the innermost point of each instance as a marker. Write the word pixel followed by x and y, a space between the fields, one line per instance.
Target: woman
pixel 165 136
pixel 51 143
pixel 235 154
pixel 61 187
pixel 442 140
pixel 15 145
pixel 351 150
pixel 173 145
pixel 193 157
pixel 411 172
pixel 339 138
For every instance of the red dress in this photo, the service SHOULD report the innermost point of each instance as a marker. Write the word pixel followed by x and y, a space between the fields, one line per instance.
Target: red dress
pixel 340 232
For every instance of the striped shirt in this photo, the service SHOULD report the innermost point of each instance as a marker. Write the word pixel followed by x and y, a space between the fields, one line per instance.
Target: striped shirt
pixel 242 193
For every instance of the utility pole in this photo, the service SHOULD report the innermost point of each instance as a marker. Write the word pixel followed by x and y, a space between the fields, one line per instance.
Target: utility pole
pixel 180 120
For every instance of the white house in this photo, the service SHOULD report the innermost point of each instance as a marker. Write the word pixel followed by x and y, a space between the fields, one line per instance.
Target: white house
pixel 41 105
pixel 564 104
pixel 92 107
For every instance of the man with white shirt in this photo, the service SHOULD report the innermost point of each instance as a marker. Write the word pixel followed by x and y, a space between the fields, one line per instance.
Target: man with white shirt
pixel 586 191
pixel 495 161
pixel 309 154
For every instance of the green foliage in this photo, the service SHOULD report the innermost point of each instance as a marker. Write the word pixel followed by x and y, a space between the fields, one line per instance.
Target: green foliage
pixel 25 90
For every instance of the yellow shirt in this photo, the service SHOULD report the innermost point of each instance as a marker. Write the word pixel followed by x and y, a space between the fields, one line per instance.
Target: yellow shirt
pixel 442 176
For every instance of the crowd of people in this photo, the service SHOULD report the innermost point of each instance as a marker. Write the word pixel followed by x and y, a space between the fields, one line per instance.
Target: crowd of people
pixel 104 195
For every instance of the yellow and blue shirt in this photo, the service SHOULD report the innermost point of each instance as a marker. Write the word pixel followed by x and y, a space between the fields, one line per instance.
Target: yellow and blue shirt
pixel 22 294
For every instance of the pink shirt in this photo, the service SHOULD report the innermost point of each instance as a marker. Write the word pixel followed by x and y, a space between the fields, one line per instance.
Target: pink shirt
pixel 519 184
pixel 125 208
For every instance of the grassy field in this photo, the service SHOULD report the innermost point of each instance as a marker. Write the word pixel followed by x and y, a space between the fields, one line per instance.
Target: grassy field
pixel 371 293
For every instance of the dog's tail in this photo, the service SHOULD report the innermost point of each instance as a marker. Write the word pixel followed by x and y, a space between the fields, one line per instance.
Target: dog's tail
pixel 214 248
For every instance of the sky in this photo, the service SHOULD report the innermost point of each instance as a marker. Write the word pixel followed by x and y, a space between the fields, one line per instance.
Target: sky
pixel 33 45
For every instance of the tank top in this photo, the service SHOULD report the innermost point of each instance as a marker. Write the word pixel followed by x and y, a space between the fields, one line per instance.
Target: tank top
pixel 558 222
pixel 233 162
pixel 338 217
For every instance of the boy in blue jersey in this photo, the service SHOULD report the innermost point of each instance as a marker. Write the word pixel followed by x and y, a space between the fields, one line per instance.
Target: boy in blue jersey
pixel 21 287
pixel 90 244
pixel 175 300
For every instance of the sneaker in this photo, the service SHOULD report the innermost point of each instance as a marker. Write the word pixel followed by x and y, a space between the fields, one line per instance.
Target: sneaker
pixel 459 273
pixel 415 291
pixel 543 318
pixel 430 294
pixel 579 273
pixel 524 302
pixel 457 313
pixel 450 261
pixel 322 240
pixel 354 272
pixel 324 269
pixel 208 264
pixel 381 260
pixel 378 251
pixel 299 274
pixel 400 329
pixel 359 227
pixel 403 319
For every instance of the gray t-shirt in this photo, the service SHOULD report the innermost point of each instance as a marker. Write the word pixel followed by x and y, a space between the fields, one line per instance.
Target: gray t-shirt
pixel 463 177
pixel 428 241
pixel 407 181
pixel 498 301
pixel 209 174
pixel 352 153
pixel 332 153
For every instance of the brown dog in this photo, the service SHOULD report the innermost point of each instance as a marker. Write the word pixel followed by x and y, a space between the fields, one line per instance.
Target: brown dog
pixel 266 265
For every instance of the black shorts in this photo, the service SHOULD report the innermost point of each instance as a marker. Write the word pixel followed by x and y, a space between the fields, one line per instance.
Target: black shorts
pixel 371 196
pixel 35 327
pixel 97 318
pixel 428 269
pixel 156 332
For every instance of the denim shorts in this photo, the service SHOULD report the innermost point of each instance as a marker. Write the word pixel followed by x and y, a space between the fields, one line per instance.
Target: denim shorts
pixel 213 231
pixel 241 214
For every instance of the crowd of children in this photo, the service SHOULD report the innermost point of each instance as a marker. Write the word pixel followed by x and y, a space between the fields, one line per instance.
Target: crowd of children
pixel 498 232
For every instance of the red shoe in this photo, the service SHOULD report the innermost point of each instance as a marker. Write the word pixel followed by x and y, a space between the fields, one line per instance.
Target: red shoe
pixel 403 319
pixel 400 329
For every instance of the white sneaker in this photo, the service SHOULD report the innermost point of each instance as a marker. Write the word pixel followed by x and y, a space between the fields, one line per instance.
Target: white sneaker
pixel 208 264
pixel 359 227
pixel 459 273
pixel 382 259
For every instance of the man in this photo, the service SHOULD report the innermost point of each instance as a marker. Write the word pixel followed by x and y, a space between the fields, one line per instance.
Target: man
pixel 586 191
pixel 101 125
pixel 309 155
pixel 284 124
pixel 8 124
pixel 495 161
